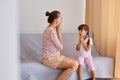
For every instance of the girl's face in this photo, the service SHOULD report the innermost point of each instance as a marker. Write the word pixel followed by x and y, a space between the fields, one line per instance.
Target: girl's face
pixel 83 33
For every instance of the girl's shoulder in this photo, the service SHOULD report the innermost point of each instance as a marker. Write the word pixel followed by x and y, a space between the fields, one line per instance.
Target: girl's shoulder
pixel 91 41
pixel 90 38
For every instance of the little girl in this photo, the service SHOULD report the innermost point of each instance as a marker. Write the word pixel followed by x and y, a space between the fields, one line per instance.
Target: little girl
pixel 84 47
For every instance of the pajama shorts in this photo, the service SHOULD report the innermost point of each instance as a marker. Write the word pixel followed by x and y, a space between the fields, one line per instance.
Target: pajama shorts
pixel 88 61
pixel 52 62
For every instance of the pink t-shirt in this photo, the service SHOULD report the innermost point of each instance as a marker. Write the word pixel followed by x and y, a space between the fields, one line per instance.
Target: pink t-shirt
pixel 51 45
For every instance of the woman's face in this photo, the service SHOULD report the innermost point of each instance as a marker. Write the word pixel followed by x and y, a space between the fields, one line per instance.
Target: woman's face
pixel 59 20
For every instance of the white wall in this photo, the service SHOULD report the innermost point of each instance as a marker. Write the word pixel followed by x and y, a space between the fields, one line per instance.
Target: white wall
pixel 9 40
pixel 33 19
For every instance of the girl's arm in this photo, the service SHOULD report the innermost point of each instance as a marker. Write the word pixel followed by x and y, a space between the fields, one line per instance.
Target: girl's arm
pixel 86 47
pixel 78 46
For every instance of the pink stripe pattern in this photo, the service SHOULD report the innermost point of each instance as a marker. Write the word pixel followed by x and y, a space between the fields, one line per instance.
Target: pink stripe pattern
pixel 51 45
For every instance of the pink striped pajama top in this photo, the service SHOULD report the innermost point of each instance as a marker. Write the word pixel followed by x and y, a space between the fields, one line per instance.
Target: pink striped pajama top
pixel 51 45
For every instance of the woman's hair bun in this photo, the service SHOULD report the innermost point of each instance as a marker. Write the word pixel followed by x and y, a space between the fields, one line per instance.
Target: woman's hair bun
pixel 47 13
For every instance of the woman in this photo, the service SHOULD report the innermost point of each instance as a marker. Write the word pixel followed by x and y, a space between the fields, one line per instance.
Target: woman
pixel 52 45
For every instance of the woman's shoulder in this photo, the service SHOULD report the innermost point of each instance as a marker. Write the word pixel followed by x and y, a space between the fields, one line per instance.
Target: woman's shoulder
pixel 51 30
pixel 48 32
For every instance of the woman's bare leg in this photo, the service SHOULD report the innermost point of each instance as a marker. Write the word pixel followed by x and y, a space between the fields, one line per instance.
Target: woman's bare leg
pixel 93 74
pixel 80 72
pixel 70 65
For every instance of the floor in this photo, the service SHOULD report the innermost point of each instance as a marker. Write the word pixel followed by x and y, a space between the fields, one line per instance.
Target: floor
pixel 103 79
pixel 97 79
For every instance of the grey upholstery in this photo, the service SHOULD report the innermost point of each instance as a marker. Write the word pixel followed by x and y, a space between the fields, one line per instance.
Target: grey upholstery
pixel 32 69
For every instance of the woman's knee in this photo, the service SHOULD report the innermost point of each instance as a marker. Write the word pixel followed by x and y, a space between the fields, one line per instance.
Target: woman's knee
pixel 75 65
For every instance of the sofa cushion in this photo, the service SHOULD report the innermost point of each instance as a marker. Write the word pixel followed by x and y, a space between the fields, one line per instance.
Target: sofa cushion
pixel 31 46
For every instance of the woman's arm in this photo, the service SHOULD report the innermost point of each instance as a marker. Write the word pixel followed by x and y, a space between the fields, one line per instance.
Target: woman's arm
pixel 58 30
pixel 55 40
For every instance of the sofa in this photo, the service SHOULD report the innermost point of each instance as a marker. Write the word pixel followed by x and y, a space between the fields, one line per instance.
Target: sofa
pixel 32 69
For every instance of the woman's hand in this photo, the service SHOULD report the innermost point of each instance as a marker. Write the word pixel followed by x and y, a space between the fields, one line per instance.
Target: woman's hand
pixel 58 28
